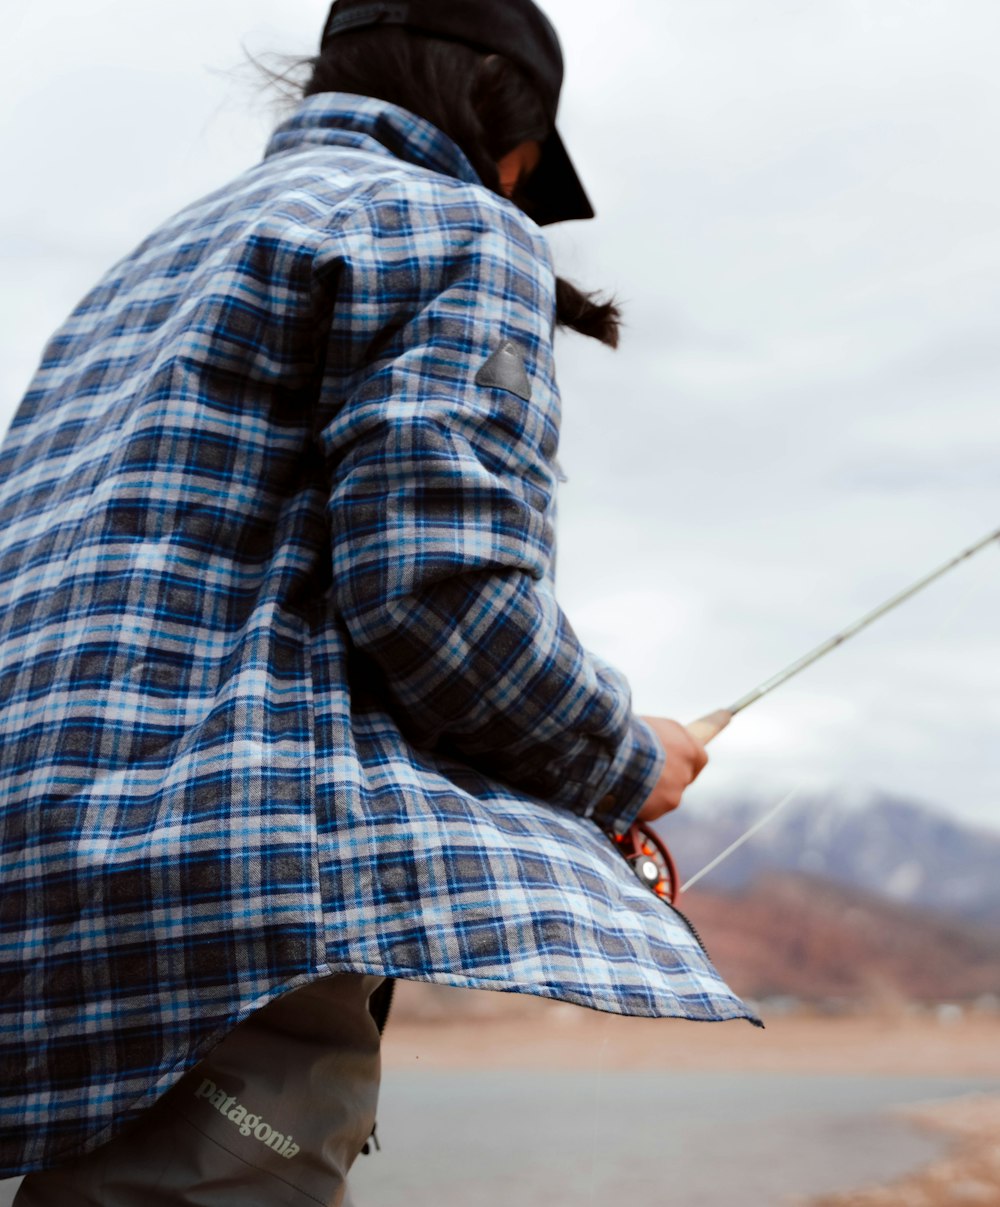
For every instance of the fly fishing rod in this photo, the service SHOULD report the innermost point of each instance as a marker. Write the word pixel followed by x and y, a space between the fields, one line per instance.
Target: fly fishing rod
pixel 644 849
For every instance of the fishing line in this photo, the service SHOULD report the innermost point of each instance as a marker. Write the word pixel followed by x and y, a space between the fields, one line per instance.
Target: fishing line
pixel 761 821
pixel 646 851
pixel 838 639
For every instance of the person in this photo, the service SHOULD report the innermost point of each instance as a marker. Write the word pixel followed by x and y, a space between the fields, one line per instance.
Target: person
pixel 289 707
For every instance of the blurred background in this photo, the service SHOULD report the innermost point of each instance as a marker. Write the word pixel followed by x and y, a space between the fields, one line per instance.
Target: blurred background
pixel 798 209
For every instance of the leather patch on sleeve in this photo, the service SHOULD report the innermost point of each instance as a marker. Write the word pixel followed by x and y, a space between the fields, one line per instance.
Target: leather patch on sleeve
pixel 505 370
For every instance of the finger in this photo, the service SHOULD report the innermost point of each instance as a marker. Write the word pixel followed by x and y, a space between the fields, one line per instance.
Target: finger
pixel 699 755
pixel 697 771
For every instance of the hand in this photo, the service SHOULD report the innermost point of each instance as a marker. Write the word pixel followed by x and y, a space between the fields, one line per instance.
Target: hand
pixel 686 758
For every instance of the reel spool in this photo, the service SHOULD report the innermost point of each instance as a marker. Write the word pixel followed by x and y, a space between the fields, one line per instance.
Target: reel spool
pixel 643 848
pixel 650 859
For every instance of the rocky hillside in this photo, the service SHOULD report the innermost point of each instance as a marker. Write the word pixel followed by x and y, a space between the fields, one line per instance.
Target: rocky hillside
pixel 795 934
pixel 847 904
pixel 894 848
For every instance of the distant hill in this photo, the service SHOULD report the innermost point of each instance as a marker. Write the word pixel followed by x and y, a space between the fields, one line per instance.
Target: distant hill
pixel 801 935
pixel 843 902
pixel 887 846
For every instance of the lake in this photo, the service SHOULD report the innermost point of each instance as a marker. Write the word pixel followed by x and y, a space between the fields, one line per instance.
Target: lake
pixel 499 1138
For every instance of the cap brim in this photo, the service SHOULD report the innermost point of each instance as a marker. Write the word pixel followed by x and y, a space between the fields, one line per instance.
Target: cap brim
pixel 553 192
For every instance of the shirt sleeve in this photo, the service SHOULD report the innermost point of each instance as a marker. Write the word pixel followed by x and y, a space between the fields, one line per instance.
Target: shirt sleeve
pixel 440 504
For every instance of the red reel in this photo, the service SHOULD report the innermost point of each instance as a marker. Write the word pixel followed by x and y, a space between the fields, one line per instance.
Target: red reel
pixel 649 858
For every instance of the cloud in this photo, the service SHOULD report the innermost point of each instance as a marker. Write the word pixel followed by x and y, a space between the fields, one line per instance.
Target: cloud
pixel 795 206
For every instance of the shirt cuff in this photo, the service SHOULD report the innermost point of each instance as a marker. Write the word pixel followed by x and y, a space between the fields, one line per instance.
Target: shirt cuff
pixel 630 779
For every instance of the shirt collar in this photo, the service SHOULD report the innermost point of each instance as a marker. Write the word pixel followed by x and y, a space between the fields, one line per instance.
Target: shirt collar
pixel 347 120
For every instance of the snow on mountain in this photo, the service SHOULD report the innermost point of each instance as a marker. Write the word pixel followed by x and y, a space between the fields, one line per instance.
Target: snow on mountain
pixel 896 848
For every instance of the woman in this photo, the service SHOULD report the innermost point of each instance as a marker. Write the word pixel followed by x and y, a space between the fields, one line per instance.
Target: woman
pixel 289 707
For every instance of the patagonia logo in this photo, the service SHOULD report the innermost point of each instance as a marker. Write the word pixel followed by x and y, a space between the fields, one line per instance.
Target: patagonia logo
pixel 505 370
pixel 248 1124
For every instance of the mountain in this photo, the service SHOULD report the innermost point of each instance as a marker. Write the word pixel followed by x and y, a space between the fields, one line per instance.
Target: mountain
pixel 799 935
pixel 841 902
pixel 884 845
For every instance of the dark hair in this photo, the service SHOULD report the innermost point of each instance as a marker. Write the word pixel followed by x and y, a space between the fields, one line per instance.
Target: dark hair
pixel 484 102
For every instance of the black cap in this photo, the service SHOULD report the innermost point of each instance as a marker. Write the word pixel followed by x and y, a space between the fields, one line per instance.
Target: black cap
pixel 519 31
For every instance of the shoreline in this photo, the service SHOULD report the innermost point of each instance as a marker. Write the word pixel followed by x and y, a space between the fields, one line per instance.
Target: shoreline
pixel 554 1035
pixel 969 1173
pixel 548 1036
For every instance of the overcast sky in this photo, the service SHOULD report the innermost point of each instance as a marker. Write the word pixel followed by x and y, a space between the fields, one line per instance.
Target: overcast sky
pixel 799 209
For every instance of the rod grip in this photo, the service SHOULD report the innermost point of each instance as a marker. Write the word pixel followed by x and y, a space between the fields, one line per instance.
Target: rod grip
pixel 706 727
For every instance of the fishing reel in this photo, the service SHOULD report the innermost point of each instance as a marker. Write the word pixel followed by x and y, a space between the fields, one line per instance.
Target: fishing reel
pixel 646 852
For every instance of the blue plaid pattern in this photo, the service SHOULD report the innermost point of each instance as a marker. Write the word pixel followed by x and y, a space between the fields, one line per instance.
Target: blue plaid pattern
pixel 284 686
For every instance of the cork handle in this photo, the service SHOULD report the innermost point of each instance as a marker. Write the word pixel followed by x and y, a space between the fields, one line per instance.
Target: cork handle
pixel 706 727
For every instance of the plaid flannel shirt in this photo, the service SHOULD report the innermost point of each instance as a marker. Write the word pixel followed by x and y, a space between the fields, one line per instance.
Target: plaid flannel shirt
pixel 284 686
